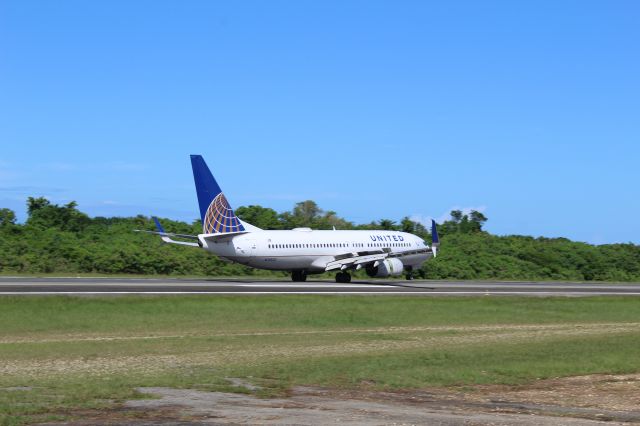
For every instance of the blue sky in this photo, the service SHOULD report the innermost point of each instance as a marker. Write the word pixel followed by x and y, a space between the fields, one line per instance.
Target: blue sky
pixel 529 111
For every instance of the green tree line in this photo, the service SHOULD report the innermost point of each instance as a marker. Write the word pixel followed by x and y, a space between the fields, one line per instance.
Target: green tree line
pixel 62 239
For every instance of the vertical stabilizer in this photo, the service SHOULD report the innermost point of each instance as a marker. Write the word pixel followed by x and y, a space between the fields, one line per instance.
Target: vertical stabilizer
pixel 215 212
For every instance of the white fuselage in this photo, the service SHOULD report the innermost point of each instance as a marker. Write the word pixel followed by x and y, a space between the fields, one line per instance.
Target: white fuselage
pixel 310 250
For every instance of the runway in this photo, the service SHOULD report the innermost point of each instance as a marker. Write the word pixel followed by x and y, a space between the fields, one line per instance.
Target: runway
pixel 168 286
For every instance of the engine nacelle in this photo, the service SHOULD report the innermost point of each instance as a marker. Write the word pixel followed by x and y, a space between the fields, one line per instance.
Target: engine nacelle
pixel 387 267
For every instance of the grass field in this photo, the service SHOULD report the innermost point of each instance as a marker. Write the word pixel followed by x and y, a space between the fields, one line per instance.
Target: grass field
pixel 63 354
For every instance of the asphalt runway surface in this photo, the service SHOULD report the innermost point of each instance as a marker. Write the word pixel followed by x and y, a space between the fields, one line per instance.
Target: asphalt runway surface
pixel 169 286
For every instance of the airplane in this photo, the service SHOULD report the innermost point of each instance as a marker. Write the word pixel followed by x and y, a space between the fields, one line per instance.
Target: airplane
pixel 301 251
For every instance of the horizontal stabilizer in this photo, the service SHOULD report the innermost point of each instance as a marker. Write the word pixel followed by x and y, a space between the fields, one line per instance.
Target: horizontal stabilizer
pixel 222 235
pixel 166 236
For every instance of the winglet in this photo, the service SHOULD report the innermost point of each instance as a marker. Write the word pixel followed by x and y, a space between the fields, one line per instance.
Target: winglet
pixel 435 240
pixel 160 228
pixel 434 233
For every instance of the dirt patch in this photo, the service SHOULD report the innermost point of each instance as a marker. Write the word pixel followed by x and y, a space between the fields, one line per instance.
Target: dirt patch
pixel 584 400
pixel 244 384
pixel 125 416
pixel 598 391
pixel 321 406
pixel 598 397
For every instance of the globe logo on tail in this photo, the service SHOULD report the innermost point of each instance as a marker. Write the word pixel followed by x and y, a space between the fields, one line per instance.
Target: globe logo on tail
pixel 220 217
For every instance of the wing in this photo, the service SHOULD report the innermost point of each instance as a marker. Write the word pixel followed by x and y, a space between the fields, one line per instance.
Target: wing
pixel 363 259
pixel 356 260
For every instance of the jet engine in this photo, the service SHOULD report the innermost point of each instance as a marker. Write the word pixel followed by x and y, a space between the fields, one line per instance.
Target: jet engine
pixel 385 268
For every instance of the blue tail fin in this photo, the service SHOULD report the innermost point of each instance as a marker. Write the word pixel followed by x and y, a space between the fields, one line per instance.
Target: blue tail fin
pixel 215 212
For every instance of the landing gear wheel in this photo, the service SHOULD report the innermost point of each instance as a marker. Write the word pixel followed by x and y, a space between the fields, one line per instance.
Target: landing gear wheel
pixel 409 274
pixel 343 277
pixel 298 276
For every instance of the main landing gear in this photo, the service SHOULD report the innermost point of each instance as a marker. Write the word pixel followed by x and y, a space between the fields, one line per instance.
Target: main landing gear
pixel 343 277
pixel 409 274
pixel 298 276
